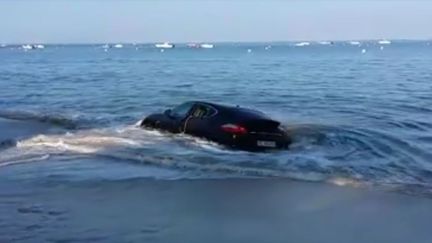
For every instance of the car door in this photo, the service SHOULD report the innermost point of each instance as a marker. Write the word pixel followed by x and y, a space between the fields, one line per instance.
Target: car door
pixel 199 121
pixel 177 117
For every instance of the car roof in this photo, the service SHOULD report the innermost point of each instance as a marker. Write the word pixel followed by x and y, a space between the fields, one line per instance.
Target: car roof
pixel 233 109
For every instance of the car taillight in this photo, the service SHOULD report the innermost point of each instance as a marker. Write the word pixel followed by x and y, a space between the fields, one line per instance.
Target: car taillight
pixel 234 129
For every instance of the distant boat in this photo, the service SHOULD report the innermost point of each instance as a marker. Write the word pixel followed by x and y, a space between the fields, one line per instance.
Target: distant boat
pixel 32 47
pixel 28 47
pixel 164 45
pixel 193 45
pixel 384 42
pixel 207 46
pixel 267 47
pixel 355 43
pixel 106 46
pixel 302 44
pixel 3 45
pixel 203 45
pixel 118 46
pixel 325 43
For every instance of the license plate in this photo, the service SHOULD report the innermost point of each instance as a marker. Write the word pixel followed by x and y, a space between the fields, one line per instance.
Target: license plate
pixel 268 144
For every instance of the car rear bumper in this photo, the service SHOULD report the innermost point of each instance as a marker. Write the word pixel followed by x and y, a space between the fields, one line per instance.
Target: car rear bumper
pixel 261 141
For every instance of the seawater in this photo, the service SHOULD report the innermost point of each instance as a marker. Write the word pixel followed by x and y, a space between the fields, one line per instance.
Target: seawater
pixel 361 118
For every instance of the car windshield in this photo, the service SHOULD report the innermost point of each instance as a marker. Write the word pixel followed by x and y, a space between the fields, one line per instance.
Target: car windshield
pixel 181 110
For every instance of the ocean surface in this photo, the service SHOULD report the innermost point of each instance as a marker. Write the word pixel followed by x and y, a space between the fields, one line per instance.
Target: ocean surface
pixel 360 116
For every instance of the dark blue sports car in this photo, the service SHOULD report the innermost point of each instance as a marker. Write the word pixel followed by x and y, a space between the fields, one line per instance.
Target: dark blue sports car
pixel 233 126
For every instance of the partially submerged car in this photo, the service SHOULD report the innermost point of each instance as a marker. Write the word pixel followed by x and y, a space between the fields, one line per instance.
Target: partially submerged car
pixel 233 126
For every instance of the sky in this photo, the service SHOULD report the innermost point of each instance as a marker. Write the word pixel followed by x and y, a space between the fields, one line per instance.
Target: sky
pixel 102 21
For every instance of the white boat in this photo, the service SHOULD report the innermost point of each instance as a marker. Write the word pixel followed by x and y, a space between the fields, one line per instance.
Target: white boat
pixel 207 46
pixel 118 46
pixel 3 45
pixel 325 43
pixel 40 46
pixel 302 44
pixel 193 45
pixel 106 46
pixel 384 42
pixel 164 45
pixel 27 47
pixel 355 43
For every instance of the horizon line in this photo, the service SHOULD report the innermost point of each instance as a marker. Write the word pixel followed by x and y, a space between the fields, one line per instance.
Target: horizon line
pixel 215 42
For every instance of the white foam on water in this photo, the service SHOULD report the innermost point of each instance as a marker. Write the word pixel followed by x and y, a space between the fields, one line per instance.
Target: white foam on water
pixel 5 161
pixel 138 123
pixel 101 141
pixel 87 143
pixel 82 142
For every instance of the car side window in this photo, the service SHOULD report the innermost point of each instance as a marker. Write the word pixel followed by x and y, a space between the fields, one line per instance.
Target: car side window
pixel 181 110
pixel 203 111
pixel 210 111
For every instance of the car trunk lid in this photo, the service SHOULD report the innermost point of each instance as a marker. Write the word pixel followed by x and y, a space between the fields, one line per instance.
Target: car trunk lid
pixel 261 125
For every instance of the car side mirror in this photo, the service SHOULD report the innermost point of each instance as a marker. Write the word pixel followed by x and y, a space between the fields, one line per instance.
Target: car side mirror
pixel 168 113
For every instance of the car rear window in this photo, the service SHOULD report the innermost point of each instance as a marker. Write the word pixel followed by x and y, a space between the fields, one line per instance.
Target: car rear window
pixel 251 112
